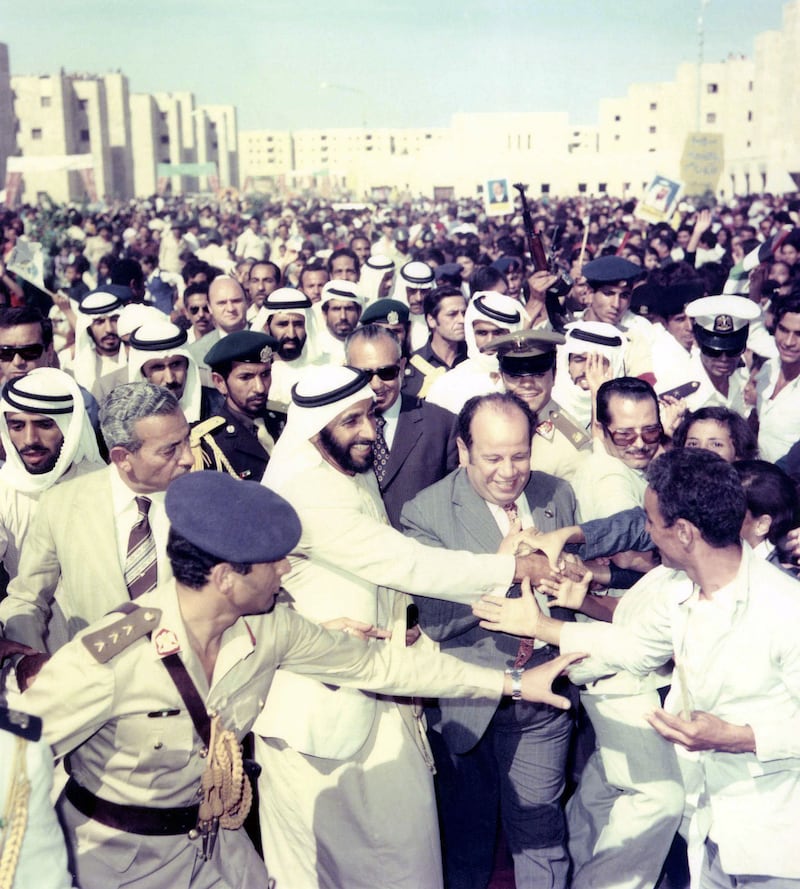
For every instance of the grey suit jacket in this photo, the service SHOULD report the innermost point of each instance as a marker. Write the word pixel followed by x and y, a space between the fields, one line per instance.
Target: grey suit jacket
pixel 451 514
pixel 423 451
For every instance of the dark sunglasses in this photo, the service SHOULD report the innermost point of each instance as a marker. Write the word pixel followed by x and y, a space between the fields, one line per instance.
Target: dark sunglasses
pixel 193 310
pixel 387 374
pixel 625 437
pixel 710 352
pixel 26 353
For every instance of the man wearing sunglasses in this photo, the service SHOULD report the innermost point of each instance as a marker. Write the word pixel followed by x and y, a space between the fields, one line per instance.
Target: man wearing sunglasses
pixel 629 801
pixel 721 325
pixel 26 342
pixel 415 441
pixel 195 302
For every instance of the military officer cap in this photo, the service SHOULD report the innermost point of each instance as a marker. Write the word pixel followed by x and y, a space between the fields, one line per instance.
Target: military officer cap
pixel 526 352
pixel 387 311
pixel 722 322
pixel 610 270
pixel 231 519
pixel 244 345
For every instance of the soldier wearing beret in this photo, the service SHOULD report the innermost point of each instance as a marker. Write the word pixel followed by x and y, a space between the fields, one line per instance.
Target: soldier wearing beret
pixel 152 702
pixel 240 437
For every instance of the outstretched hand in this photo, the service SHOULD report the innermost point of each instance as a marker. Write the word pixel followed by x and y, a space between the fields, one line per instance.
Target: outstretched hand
pixel 357 628
pixel 537 682
pixel 518 617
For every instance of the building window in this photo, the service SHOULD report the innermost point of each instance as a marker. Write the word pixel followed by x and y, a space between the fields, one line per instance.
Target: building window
pixel 84 135
pixel 368 136
pixel 617 118
pixel 653 106
pixel 83 104
pixel 581 188
pixel 429 135
pixel 36 134
pixel 750 87
pixel 602 187
pixel 651 129
pixel 749 115
pixel 545 188
pixel 213 146
pixel 712 87
pixel 165 140
pixel 46 101
pixel 711 117
pixel 616 137
pixel 163 115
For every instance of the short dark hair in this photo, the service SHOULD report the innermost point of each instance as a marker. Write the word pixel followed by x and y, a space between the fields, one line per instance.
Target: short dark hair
pixel 123 271
pixel 745 444
pixel 626 387
pixel 191 565
pixel 275 267
pixel 342 251
pixel 14 315
pixel 313 265
pixel 769 491
pixel 486 278
pixel 789 305
pixel 433 298
pixel 502 402
pixel 194 289
pixel 700 487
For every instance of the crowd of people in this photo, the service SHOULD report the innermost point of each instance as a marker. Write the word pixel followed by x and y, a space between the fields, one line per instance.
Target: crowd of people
pixel 346 542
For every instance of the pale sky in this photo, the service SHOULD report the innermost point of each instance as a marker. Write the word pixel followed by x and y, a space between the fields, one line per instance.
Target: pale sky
pixel 390 63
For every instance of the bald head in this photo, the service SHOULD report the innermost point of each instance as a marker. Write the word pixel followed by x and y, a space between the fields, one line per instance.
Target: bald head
pixel 227 304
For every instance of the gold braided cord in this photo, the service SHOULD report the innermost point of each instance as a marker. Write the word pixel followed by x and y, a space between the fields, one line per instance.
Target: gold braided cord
pixel 15 817
pixel 226 791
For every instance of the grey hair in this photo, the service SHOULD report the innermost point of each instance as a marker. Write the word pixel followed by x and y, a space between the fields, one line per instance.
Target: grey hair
pixel 128 403
pixel 370 333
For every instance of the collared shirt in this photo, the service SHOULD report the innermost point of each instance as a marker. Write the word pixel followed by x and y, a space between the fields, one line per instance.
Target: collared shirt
pixel 778 417
pixel 392 417
pixel 126 515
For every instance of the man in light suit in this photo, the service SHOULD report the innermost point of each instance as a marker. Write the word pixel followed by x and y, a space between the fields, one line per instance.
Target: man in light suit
pixel 420 438
pixel 494 757
pixel 78 540
pixel 347 795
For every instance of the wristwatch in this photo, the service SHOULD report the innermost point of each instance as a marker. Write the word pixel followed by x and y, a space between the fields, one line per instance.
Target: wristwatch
pixel 516 683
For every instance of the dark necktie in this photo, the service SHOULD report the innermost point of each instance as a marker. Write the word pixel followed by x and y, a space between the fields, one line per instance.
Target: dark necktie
pixel 525 649
pixel 379 449
pixel 140 564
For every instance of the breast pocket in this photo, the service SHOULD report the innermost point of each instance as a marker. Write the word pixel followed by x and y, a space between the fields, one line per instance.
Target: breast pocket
pixel 161 741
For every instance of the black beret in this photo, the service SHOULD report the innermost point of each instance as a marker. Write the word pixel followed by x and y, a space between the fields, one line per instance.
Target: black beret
pixel 244 345
pixel 610 269
pixel 232 519
pixel 390 311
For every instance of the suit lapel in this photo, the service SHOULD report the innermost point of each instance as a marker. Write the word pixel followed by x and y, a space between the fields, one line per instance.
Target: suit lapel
pixel 408 433
pixel 474 516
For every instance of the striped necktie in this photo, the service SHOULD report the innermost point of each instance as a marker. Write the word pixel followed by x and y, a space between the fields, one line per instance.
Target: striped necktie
pixel 140 564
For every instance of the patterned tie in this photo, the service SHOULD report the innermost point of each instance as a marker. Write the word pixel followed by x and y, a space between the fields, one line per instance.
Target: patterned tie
pixel 264 438
pixel 379 450
pixel 140 564
pixel 525 649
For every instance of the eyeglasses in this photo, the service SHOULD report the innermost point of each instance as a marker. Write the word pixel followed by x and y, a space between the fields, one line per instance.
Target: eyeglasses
pixel 625 437
pixel 193 310
pixel 26 353
pixel 387 374
pixel 710 352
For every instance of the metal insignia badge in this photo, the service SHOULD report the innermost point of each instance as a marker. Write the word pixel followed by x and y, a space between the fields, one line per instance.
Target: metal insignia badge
pixel 166 642
pixel 546 430
pixel 723 324
pixel 393 318
pixel 266 355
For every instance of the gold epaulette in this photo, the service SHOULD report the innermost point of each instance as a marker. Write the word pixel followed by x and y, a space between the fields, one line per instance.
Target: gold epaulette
pixel 202 432
pixel 576 436
pixel 111 640
pixel 428 371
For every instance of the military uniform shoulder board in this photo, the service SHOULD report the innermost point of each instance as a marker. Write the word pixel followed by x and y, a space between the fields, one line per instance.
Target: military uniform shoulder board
pixel 204 428
pixel 21 724
pixel 111 640
pixel 576 436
